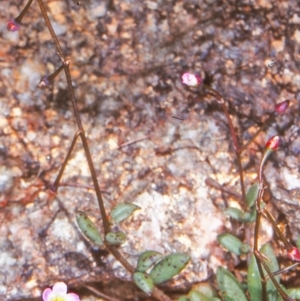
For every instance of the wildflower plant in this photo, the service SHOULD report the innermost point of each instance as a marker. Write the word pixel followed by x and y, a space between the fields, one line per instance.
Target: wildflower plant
pixel 152 268
pixel 263 282
pixel 158 268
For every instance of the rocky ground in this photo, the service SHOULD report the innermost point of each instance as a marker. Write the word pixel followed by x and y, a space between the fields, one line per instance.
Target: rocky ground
pixel 153 140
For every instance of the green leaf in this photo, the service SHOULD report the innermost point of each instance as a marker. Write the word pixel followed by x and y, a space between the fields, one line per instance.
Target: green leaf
pixel 123 211
pixel 115 238
pixel 144 282
pixel 196 296
pixel 230 288
pixel 147 259
pixel 238 214
pixel 272 264
pixel 291 292
pixel 88 228
pixel 168 267
pixel 205 289
pixel 245 248
pixel 254 280
pixel 230 242
pixel 294 293
pixel 253 214
pixel 252 194
pixel 183 298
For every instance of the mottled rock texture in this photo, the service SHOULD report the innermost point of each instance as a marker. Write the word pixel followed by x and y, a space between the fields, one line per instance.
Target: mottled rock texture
pixel 154 141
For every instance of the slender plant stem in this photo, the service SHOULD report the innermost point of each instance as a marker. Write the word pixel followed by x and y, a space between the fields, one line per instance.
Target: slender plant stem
pixel 283 295
pixel 55 73
pixel 62 169
pixel 234 138
pixel 255 248
pixel 262 128
pixel 50 28
pixel 66 63
pixel 286 243
pixel 23 12
pixel 284 270
pixel 237 152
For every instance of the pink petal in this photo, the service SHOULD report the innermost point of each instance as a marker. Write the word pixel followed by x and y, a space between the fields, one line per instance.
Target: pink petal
pixel 281 107
pixel 47 294
pixel 13 25
pixel 191 80
pixel 72 297
pixel 60 288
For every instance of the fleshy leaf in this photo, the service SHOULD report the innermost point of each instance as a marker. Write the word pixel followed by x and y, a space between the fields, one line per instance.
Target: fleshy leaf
pixel 252 194
pixel 272 264
pixel 254 281
pixel 245 248
pixel 88 228
pixel 231 289
pixel 123 211
pixel 168 267
pixel 196 296
pixel 205 289
pixel 147 259
pixel 238 214
pixel 253 213
pixel 115 238
pixel 144 282
pixel 230 242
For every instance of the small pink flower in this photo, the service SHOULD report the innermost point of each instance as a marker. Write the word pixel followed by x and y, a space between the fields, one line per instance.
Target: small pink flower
pixel 59 293
pixel 281 107
pixel 294 254
pixel 13 25
pixel 273 143
pixel 191 80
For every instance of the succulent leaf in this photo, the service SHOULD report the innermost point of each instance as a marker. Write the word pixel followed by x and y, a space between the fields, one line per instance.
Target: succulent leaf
pixel 144 282
pixel 88 228
pixel 115 238
pixel 168 267
pixel 147 259
pixel 229 286
pixel 123 211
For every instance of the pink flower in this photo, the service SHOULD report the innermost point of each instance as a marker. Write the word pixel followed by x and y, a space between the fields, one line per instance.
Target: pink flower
pixel 273 143
pixel 59 293
pixel 191 80
pixel 13 25
pixel 281 107
pixel 294 254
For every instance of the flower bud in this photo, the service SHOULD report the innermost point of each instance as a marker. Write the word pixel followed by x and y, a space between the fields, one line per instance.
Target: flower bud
pixel 13 25
pixel 294 254
pixel 273 143
pixel 281 107
pixel 191 80
pixel 44 82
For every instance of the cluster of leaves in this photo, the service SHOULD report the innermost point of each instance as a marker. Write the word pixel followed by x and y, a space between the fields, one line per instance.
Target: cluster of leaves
pixel 152 267
pixel 263 275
